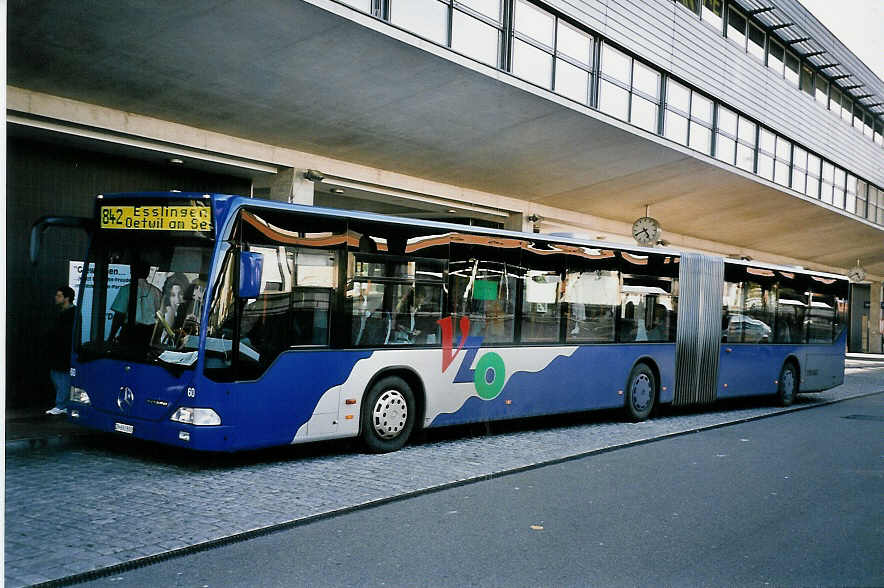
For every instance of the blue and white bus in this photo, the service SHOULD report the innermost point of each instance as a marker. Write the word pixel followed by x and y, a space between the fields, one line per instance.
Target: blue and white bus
pixel 240 323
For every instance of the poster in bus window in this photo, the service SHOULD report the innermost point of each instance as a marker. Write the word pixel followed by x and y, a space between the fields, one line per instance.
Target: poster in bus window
pixel 118 276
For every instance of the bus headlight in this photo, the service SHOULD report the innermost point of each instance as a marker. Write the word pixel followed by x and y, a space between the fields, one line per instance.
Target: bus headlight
pixel 196 416
pixel 79 395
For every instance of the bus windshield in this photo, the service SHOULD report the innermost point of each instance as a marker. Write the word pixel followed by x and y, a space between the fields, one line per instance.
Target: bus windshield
pixel 144 298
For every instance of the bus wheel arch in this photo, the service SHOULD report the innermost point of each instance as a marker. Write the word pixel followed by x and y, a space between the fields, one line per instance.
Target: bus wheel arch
pixel 789 381
pixel 392 408
pixel 642 392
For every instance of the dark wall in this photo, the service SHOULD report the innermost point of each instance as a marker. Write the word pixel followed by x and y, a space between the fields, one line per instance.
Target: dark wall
pixel 47 179
pixel 860 295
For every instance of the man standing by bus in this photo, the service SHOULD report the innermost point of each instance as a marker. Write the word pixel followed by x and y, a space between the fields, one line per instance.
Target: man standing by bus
pixel 60 348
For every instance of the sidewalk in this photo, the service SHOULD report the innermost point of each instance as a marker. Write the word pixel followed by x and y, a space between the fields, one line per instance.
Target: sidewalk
pixel 28 427
pixel 865 357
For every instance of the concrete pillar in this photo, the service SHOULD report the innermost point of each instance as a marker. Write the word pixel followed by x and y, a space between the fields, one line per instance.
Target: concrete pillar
pixel 518 221
pixel 287 185
pixel 875 318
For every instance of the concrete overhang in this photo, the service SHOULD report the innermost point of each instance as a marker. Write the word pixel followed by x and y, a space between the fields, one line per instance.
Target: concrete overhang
pixel 321 78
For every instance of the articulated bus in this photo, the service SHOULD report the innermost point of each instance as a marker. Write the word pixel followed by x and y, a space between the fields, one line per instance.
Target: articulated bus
pixel 225 323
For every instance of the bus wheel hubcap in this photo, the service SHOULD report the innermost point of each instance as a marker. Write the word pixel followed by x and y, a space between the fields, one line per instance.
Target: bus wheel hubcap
pixel 788 383
pixel 390 414
pixel 641 392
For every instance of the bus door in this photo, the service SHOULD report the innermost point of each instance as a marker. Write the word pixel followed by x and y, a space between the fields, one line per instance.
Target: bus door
pixel 749 364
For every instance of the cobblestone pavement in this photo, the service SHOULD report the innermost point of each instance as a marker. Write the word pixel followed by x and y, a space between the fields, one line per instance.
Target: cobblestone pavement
pixel 95 502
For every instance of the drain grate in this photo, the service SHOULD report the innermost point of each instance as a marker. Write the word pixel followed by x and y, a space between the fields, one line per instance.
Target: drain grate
pixel 866 417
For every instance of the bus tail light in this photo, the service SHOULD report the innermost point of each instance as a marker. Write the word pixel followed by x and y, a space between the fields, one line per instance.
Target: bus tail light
pixel 196 416
pixel 79 395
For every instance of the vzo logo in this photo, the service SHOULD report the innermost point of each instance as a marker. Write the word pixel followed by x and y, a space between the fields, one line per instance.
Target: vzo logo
pixel 490 372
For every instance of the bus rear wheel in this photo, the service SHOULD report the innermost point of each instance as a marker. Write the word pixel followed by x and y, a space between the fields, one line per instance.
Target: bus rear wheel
pixel 641 392
pixel 788 384
pixel 388 414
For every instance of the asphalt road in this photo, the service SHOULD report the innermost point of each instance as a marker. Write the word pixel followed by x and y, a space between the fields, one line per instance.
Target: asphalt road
pixel 795 499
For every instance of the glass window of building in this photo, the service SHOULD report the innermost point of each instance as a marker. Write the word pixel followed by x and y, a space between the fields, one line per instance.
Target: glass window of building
pixel 827 182
pixel 533 22
pixel 868 123
pixel 858 118
pixel 616 71
pixel 572 81
pixel 534 31
pixel 475 38
pixel 756 42
pixel 700 133
pixel 489 8
pixel 880 205
pixel 736 27
pixel 427 18
pixel 746 144
pixel 629 89
pixel 835 100
pixel 532 64
pixel 766 151
pixel 678 108
pixel 692 5
pixel 850 201
pixel 813 176
pixel 675 127
pixel 573 63
pixel 574 44
pixel 873 203
pixel 776 55
pixel 799 170
pixel 807 80
pixel 846 108
pixel 862 190
pixel 792 67
pixel 726 136
pixel 545 47
pixel 725 149
pixel 783 159
pixel 879 133
pixel 614 100
pixel 822 90
pixel 840 186
pixel 713 12
pixel 616 65
pixel 645 96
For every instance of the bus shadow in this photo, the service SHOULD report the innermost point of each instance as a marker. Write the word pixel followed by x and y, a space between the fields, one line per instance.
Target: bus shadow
pixel 151 453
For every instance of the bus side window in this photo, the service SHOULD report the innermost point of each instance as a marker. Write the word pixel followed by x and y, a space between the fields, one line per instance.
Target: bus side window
pixel 485 278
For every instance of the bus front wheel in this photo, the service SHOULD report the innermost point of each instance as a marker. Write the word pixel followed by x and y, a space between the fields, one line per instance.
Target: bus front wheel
pixel 787 385
pixel 641 392
pixel 388 413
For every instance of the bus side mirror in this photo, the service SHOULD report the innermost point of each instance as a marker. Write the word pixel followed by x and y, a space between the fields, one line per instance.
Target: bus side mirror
pixel 251 266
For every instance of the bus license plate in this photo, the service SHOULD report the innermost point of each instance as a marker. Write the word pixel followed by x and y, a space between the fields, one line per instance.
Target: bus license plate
pixel 124 428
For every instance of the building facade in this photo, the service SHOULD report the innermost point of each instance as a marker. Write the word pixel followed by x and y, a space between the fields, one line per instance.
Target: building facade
pixel 743 126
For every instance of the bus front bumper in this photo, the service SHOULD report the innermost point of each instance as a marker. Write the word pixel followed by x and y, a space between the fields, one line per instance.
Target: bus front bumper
pixel 167 432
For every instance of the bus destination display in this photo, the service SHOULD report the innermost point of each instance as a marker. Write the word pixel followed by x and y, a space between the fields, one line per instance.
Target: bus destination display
pixel 157 218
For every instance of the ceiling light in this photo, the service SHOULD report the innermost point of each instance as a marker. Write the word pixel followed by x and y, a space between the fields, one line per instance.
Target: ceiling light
pixel 176 161
pixel 452 211
pixel 337 190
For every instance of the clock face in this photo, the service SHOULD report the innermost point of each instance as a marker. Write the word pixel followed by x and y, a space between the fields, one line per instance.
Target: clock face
pixel 856 274
pixel 646 230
